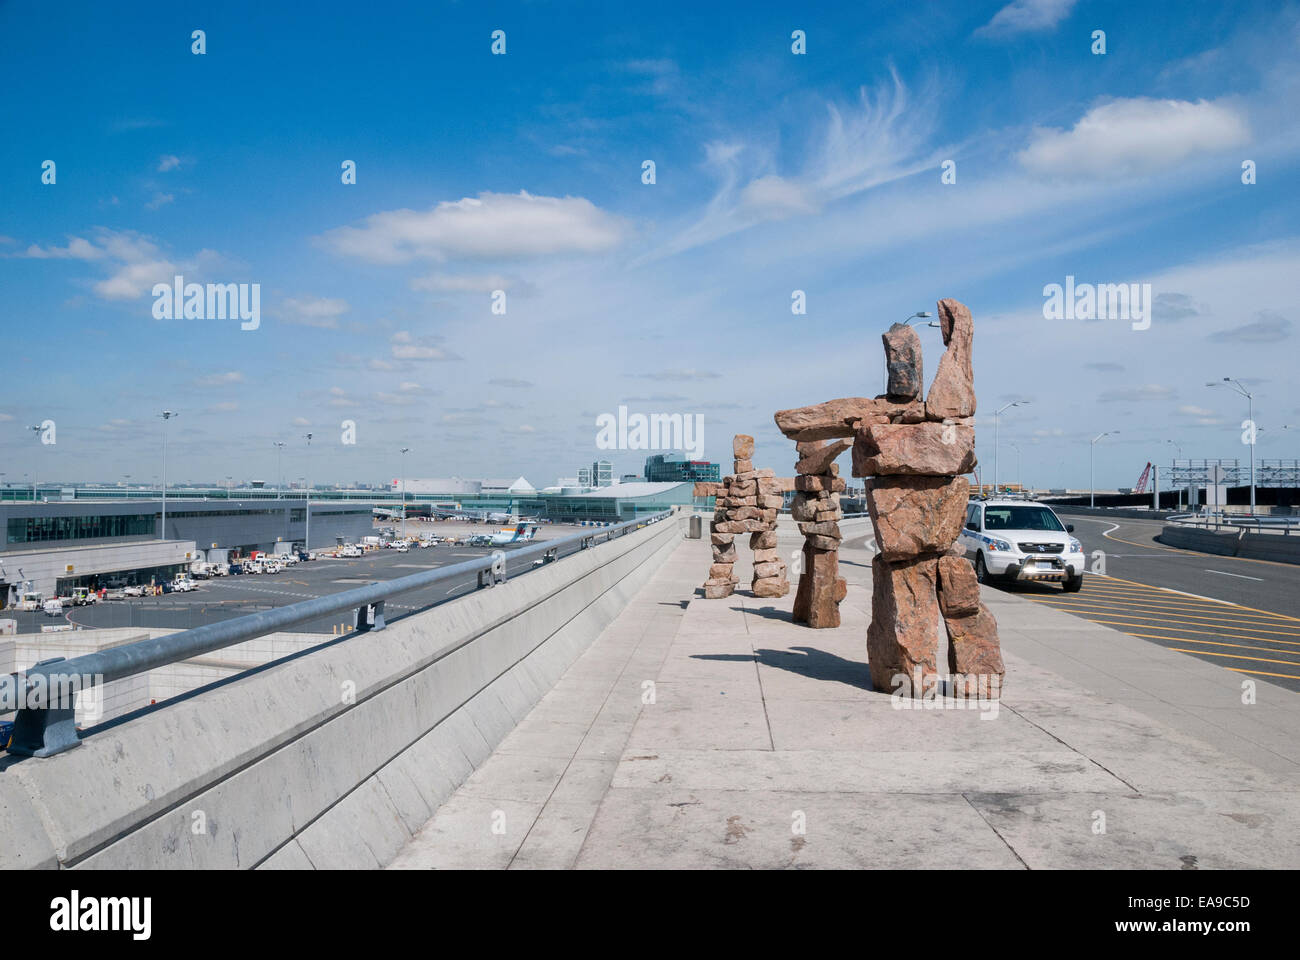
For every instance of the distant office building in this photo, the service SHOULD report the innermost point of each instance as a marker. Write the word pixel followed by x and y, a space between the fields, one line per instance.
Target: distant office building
pixel 630 478
pixel 584 476
pixel 671 468
pixel 602 473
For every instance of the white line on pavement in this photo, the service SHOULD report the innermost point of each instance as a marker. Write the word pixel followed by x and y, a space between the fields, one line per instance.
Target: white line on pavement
pixel 1239 576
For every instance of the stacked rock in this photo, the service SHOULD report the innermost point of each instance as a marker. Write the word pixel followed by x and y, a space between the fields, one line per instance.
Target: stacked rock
pixel 746 502
pixel 816 508
pixel 914 452
pixel 917 501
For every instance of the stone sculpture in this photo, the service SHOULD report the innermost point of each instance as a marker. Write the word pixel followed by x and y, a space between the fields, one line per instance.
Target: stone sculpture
pixel 746 502
pixel 914 452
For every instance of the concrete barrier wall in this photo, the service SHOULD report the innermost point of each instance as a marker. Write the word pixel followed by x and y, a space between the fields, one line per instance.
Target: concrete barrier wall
pixel 1235 543
pixel 331 759
pixel 1206 541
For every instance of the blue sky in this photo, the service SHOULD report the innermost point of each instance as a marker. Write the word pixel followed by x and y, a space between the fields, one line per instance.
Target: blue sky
pixel 775 172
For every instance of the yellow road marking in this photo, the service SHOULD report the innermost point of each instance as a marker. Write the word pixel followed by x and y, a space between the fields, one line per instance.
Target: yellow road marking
pixel 1263 673
pixel 1177 610
pixel 1215 643
pixel 1239 606
pixel 1177 618
pixel 1234 656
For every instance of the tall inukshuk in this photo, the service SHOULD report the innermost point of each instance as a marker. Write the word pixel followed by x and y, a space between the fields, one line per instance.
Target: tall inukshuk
pixel 746 502
pixel 816 508
pixel 914 452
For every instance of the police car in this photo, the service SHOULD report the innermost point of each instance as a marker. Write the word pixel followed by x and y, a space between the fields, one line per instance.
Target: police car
pixel 1019 540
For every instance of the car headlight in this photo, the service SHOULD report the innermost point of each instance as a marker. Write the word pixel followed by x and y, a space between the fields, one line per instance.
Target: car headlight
pixel 1000 545
pixel 1075 546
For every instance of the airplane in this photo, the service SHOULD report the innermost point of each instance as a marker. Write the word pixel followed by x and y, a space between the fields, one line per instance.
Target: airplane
pixel 516 534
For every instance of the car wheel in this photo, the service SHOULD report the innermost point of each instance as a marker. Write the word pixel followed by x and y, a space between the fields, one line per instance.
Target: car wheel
pixel 981 571
pixel 1072 585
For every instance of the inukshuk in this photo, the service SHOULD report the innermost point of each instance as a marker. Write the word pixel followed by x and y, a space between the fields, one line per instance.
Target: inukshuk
pixel 816 508
pixel 913 453
pixel 745 502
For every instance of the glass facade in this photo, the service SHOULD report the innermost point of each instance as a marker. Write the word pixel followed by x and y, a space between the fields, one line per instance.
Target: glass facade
pixel 674 469
pixel 48 529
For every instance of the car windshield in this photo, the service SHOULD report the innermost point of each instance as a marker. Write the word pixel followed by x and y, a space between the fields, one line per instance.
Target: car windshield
pixel 1020 518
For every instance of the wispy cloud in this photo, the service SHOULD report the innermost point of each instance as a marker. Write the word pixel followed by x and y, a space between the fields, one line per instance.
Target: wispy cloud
pixel 1026 16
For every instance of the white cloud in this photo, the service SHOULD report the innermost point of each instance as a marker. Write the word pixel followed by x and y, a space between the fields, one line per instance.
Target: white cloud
pixel 1142 394
pixel 415 352
pixel 160 200
pixel 137 262
pixel 322 312
pixel 168 162
pixel 1125 138
pixel 78 248
pixel 220 379
pixel 489 226
pixel 1023 16
pixel 462 283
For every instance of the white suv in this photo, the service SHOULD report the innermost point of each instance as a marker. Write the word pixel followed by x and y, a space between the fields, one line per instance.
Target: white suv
pixel 1018 540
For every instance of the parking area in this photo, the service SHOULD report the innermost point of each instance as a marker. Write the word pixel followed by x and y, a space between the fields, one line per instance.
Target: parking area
pixel 222 598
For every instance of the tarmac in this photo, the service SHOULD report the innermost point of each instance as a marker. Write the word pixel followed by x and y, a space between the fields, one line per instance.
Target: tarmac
pixel 716 733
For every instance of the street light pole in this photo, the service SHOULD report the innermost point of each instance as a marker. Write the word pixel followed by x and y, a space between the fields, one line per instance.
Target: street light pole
pixel 306 537
pixel 1179 450
pixel 996 415
pixel 279 471
pixel 1250 400
pixel 1092 482
pixel 405 451
pixel 34 463
pixel 166 416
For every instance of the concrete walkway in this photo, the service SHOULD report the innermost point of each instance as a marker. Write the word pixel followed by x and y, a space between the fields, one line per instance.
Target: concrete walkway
pixel 716 733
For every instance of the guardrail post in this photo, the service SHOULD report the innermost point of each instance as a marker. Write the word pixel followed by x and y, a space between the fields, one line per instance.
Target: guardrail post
pixel 494 574
pixel 48 728
pixel 369 617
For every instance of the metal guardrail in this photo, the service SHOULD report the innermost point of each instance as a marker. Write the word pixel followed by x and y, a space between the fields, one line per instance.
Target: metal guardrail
pixel 1220 520
pixel 45 695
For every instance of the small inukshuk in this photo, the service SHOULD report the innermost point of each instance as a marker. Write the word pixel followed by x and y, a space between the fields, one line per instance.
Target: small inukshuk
pixel 745 502
pixel 914 453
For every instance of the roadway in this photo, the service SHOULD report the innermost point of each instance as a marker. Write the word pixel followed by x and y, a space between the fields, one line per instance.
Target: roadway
pixel 1240 613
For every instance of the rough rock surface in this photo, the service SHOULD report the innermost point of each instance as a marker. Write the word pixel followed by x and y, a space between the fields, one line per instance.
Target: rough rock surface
pixel 953 392
pixel 903 638
pixel 837 418
pixel 903 371
pixel 916 449
pixel 959 591
pixel 815 602
pixel 914 516
pixel 974 653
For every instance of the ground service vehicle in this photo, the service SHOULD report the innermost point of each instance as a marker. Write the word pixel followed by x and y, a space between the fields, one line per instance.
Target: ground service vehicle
pixel 1018 540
